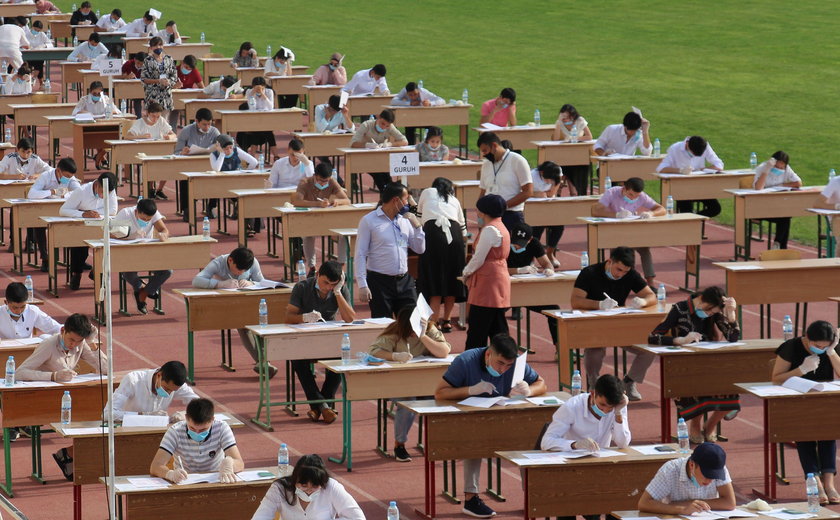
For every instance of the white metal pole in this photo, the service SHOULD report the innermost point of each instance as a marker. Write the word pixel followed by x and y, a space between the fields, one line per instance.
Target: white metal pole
pixel 105 298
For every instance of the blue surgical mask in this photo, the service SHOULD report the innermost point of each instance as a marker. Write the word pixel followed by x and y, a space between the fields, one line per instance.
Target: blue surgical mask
pixel 694 481
pixel 568 123
pixel 198 437
pixel 597 411
pixel 813 349
pixel 185 72
pixel 517 250
pixel 95 99
pixel 34 32
pixel 158 51
pixel 163 394
pixel 493 372
pixel 322 186
pixel 434 148
pixel 91 46
pixel 13 315
pixel 480 222
pixel 61 344
pixel 228 155
pixel 378 129
pixel 609 274
pixel 279 65
pixel 332 67
pixel 776 171
pixel 405 209
pixel 628 200
pixel 64 181
pixel 142 223
pixel 700 313
pixel 505 105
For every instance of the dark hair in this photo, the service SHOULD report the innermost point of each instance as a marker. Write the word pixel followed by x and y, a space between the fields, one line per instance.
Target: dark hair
pixel 189 61
pixel 117 12
pixel 95 84
pixel 388 115
pixel 23 70
pixel 506 144
pixel 243 106
pixel 37 24
pixel 550 171
pixel 401 326
pixel 227 81
pixel 85 5
pixel 148 16
pixel 140 56
pixel 433 131
pixel 324 169
pixel 331 269
pixel 173 371
pixel 395 189
pixel 488 138
pixel 170 23
pixel 78 324
pixel 309 469
pixel 334 102
pixel 410 86
pixel 508 93
pixel 281 54
pixel 94 37
pixel 203 114
pixel 25 143
pixel 296 145
pixel 112 180
pixel 635 184
pixel 259 80
pixel 712 295
pixel 154 107
pixel 243 258
pixel 632 121
pixel 573 113
pixel 782 156
pixel 820 330
pixel 444 188
pixel 16 292
pixel 67 164
pixel 379 69
pixel 155 41
pixel 611 387
pixel 504 345
pixel 624 255
pixel 201 410
pixel 697 145
pixel 246 46
pixel 147 207
pixel 20 20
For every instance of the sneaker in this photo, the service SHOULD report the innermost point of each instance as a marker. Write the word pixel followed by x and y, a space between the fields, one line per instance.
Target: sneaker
pixel 477 508
pixel 75 281
pixel 14 434
pixel 161 195
pixel 631 391
pixel 65 463
pixel 401 454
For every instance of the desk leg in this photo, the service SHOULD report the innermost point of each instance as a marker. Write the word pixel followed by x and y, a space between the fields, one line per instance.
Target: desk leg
pixel 382 427
pixel 265 392
pixel 77 502
pixel 692 267
pixel 7 453
pixel 496 492
pixel 428 480
pixel 525 489
pixel 190 353
pixel 36 455
pixel 450 494
pixel 664 405
pixel 346 432
pixel 769 492
pixel 349 275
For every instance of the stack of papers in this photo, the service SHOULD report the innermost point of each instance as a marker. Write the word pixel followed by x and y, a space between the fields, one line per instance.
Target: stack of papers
pixel 436 409
pixel 771 390
pixel 430 359
pixel 715 515
pixel 804 386
pixel 146 421
pixel 611 219
pixel 544 400
pixel 712 345
pixel 487 402
pixel 788 514
pixel 138 483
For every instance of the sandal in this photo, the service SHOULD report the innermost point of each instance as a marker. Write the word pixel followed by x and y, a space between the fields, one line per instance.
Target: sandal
pixel 823 498
pixel 314 415
pixel 833 496
pixel 710 437
pixel 696 438
pixel 445 326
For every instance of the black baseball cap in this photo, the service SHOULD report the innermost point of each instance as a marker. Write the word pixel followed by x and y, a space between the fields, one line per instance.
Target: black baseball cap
pixel 711 459
pixel 520 234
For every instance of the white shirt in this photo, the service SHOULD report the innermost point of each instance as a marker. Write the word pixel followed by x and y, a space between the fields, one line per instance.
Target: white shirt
pixel 264 102
pixel 672 484
pixel 139 27
pixel 39 40
pixel 488 238
pixel 165 35
pixel 271 68
pixel 333 501
pixel 774 180
pixel 832 192
pixel 575 421
pixel 214 90
pixel 12 164
pixel 614 140
pixel 158 130
pixel 540 185
pixel 679 157
pixel 84 199
pixel 135 394
pixel 109 25
pixel 97 108
pixel 13 86
pixel 363 84
pixel 135 229
pixel 580 124
pixel 46 182
pixel 506 177
pixel 12 37
pixel 402 98
pixel 84 52
pixel 284 175
pixel 31 318
pixel 216 160
pixel 432 208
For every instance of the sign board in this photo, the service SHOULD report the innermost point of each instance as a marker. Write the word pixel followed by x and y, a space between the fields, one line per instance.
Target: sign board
pixel 405 164
pixel 110 67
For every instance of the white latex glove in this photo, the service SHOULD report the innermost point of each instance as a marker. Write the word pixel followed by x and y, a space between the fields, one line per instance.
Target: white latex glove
pixel 401 357
pixel 483 387
pixel 608 304
pixel 585 445
pixel 364 294
pixel 311 317
pixel 691 337
pixel 637 303
pixel 230 283
pixel 176 475
pixel 177 417
pixel 413 219
pixel 548 272
pixel 685 170
pixel 64 375
pixel 528 269
pixel 622 406
pixel 339 285
pixel 520 388
pixel 809 364
pixel 226 474
pixel 646 214
pixel 623 213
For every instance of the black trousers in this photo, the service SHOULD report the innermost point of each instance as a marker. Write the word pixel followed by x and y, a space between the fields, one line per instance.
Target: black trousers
pixel 287 101
pixel 578 176
pixel 817 457
pixel 511 218
pixel 78 259
pixel 484 323
pixel 39 235
pixel 380 180
pixel 782 230
pixel 711 207
pixel 389 294
pixel 307 381
pixel 411 135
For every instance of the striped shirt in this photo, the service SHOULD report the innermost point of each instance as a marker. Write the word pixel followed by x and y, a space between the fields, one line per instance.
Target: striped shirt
pixel 199 457
pixel 671 484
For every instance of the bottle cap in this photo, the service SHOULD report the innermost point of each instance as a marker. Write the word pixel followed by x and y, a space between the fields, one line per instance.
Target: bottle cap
pixel 282 444
pixel 393 503
pixel 67 392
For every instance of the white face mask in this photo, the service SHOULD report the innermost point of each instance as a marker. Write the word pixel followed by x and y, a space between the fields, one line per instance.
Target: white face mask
pixel 301 494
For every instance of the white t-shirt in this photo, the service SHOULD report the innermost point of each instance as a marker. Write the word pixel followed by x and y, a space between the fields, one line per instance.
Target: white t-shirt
pixel 775 180
pixel 832 192
pixel 158 130
pixel 284 175
pixel 135 229
pixel 506 177
pixel 540 184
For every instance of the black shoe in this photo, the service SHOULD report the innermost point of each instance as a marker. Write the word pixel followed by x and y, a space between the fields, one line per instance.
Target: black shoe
pixel 65 462
pixel 26 431
pixel 311 272
pixel 477 508
pixel 516 313
pixel 45 266
pixel 272 370
pixel 155 296
pixel 75 281
pixel 401 454
pixel 161 195
pixel 141 305
pixel 14 434
pixel 87 267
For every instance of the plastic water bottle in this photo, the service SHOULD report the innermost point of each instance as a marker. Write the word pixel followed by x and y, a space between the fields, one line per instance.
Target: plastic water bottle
pixel 49 34
pixel 10 371
pixel 268 50
pixel 372 117
pixel 74 8
pixel 345 349
pixel 393 512
pixel 261 162
pixel 5 67
pixel 657 147
pixel 47 85
pixel 252 104
pixel 202 37
pixel 205 228
pixel 537 117
pixel 122 54
pixel 831 175
pixel 8 135
pixel 335 174
pixel 109 109
pixel 123 106
pixel 660 297
pixel 682 436
pixel 263 313
pixel 607 183
pixel 75 42
pixel 574 133
pixel 283 460
pixel 669 206
pixel 584 260
pixel 787 327
pixel 97 13
pixel 465 96
pixel 420 83
pixel 29 288
pixel 813 492
pixel 66 407
pixel 753 161
pixel 301 270
pixel 576 383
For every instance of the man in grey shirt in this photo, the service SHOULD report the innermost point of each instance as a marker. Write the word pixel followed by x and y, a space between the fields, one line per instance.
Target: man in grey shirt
pixel 202 134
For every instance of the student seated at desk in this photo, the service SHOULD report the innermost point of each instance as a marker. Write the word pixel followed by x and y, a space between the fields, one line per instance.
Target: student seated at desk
pixel 111 23
pixel 19 83
pixel 814 357
pixel 332 116
pixel 263 99
pixel 321 191
pixel 89 50
pixel 528 256
pixel 216 89
pixel 485 372
pixel 151 391
pixel 332 73
pixel 308 494
pixel 170 34
pixel 87 202
pixel 227 157
pixel 97 103
pixel 379 133
pixel 548 179
pixel 152 126
pixel 55 359
pixel 319 298
pixel 280 64
pixel 246 56
pixel 568 120
pixel 200 444
pixel 52 184
pixel 84 15
pixel 415 96
pixel 367 81
pixel 774 172
pixel 627 201
pixel 188 75
pixel 705 316
pixel 432 147
pixel 200 134
pixel 142 221
pixel 132 67
pixel 38 40
pixel 45 6
pixel 20 320
pixel 289 171
pixel 142 27
pixel 605 286
pixel 690 485
pixel 692 154
pixel 501 110
pixel 631 135
pixel 23 163
pixel 831 200
pixel 400 344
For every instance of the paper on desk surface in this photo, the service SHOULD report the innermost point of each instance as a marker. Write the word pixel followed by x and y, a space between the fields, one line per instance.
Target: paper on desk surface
pixel 481 402
pixel 786 514
pixel 771 390
pixel 198 478
pixel 84 378
pixel 422 312
pixel 665 350
pixel 491 126
pixel 147 421
pixel 617 310
pixel 576 454
pixel 431 359
pixel 90 430
pixel 544 400
pixel 435 409
pixel 148 482
pixel 715 515
pixel 612 219
pixel 379 321
pixel 254 475
pixel 649 449
pixel 199 293
pixel 711 345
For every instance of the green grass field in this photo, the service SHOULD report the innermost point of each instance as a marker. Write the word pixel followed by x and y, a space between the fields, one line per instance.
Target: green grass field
pixel 749 75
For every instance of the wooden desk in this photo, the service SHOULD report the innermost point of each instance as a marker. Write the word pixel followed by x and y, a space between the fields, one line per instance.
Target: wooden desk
pixel 47 55
pixel 87 136
pixel 399 380
pixel 467 193
pixel 621 169
pixel 71 74
pixel 6 101
pixel 429 171
pixel 558 211
pixel 681 229
pixel 216 67
pixel 15 189
pixel 83 32
pixel 792 418
pixel 523 136
pixel 697 187
pixel 753 204
pixel 154 168
pixel 247 74
pixel 217 185
pixel 124 152
pixel 27 213
pixel 822 514
pixel 47 19
pixel 567 488
pixel 34 115
pixel 179 95
pixel 65 232
pixel 304 341
pixel 191 106
pixel 594 330
pixel 260 203
pixel 350 235
pixel 323 145
pixel 565 153
pixel 444 434
pixel 14 10
pixel 277 120
pixel 211 309
pixel 17 348
pixel 538 290
pixel 690 371
pixel 364 106
pixel 290 85
pixel 128 89
pixel 318 95
pixel 367 160
pixel 439 115
pixel 177 52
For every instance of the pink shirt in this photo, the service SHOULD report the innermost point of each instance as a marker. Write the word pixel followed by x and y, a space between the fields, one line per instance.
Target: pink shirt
pixel 502 116
pixel 614 201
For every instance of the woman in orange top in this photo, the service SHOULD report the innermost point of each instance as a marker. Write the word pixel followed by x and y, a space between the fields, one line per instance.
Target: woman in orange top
pixel 486 275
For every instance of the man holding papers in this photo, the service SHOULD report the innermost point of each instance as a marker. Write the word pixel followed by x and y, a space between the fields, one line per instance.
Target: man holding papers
pixel 691 485
pixel 485 372
pixel 813 357
pixel 686 156
pixel 626 138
